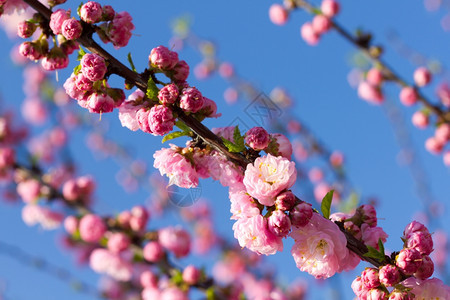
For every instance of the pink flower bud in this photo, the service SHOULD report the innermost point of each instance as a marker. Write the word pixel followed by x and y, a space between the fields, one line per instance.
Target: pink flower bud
pixel 176 240
pixel 358 288
pixel 161 120
pixel 209 108
pixel 181 71
pixel 26 29
pixel 55 59
pixel 30 50
pixel 301 214
pixel 421 241
pixel 309 35
pixel 71 224
pixel 278 14
pixel 420 119
pixel 389 275
pixel 163 58
pixel 29 190
pixel 93 66
pixel 226 70
pixel 434 146
pixel 124 219
pixel 369 278
pixel 148 279
pixel 408 96
pixel 100 103
pixel 321 24
pixel 376 294
pixel 108 13
pixel 119 29
pixel 422 76
pixel 280 145
pixel 143 120
pixel 330 8
pixel 118 242
pixel 7 157
pixel 370 93
pixel 426 269
pixel 279 223
pixel 191 275
pixel 71 29
pixel 400 295
pixel 168 94
pixel 442 133
pixel 285 201
pixel 92 228
pixel 153 252
pixel 374 76
pixel 57 18
pixel 409 261
pixel 91 12
pixel 368 214
pixel 71 190
pixel 257 138
pixel 337 159
pixel 139 218
pixel 191 100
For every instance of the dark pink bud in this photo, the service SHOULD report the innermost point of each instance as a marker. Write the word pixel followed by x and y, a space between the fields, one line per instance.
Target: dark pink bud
pixel 181 71
pixel 309 35
pixel 118 242
pixel 57 18
pixel 421 241
pixel 168 94
pixel 369 278
pixel 92 228
pixel 434 146
pixel 93 66
pixel 389 275
pixel 108 13
pixel 420 119
pixel 139 218
pixel 91 12
pixel 163 58
pixel 257 138
pixel 408 96
pixel 374 76
pixel 142 119
pixel 191 275
pixel 279 223
pixel 71 29
pixel 54 60
pixel 426 269
pixel 330 8
pixel 191 100
pixel 321 24
pixel 301 214
pixel 71 190
pixel 161 120
pixel 153 252
pixel 26 29
pixel 71 224
pixel 278 14
pixel 442 133
pixel 409 261
pixel 7 157
pixel 176 240
pixel 285 201
pixel 100 103
pixel 422 76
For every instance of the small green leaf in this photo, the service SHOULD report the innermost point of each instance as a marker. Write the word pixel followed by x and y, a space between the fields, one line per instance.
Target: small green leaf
pixel 381 246
pixel 231 147
pixel 174 135
pixel 238 138
pixel 81 53
pixel 374 253
pixel 182 126
pixel 130 60
pixel 77 69
pixel 325 207
pixel 210 294
pixel 177 278
pixel 152 90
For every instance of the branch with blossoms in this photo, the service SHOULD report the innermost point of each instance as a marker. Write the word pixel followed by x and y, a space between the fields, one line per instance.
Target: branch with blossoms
pixel 370 89
pixel 265 209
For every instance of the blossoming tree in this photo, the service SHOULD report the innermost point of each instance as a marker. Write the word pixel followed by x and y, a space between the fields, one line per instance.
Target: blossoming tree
pixel 262 170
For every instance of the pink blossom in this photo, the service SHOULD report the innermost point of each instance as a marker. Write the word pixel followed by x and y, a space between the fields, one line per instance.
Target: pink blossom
pixel 285 201
pixel 442 133
pixel 153 252
pixel 161 120
pixel 120 29
pixel 100 103
pixel 209 108
pixel 320 248
pixel 268 176
pixel 389 275
pixel 422 76
pixel 433 289
pixel 71 224
pixel 150 293
pixel 370 93
pixel 374 76
pixel 34 214
pixel 148 279
pixel 359 289
pixel 104 262
pixel 254 234
pixel 409 261
pixel 179 170
pixel 421 241
pixel 434 145
pixel 118 242
pixel 301 214
pixel 71 29
pixel 54 60
pixel 226 70
pixel 191 275
pixel 57 18
pixel 93 66
pixel 278 14
pixel 30 50
pixel 139 218
pixel 92 228
pixel 408 96
pixel 176 240
pixel 280 146
pixel 371 235
pixel 426 269
pixel 414 227
pixel 377 294
pixel 242 205
pixel 309 35
pixel 369 278
pixel 330 8
pixel 34 111
pixel 7 157
pixel 168 94
pixel 191 100
pixel 91 12
pixel 127 115
pixel 257 138
pixel 25 29
pixel 181 71
pixel 173 293
pixel 29 190
pixel 443 92
pixel 279 223
pixel 163 58
pixel 321 24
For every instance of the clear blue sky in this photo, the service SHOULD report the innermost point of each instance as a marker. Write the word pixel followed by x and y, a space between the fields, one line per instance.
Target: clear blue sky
pixel 269 56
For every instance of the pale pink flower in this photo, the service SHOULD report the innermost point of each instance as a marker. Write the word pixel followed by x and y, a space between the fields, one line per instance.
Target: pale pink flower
pixel 280 146
pixel 242 205
pixel 320 248
pixel 371 235
pixel 175 166
pixel 422 76
pixel 420 120
pixel 104 262
pixel 278 14
pixel 29 190
pixel 254 234
pixel 173 293
pixel 430 289
pixel 176 240
pixel 34 111
pixel 34 214
pixel 268 176
pixel 309 35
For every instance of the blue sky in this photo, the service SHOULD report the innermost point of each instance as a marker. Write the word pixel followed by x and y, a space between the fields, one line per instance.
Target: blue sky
pixel 268 56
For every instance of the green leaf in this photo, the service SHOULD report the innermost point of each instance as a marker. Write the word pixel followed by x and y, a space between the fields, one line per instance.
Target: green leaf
pixel 238 138
pixel 231 147
pixel 152 90
pixel 381 246
pixel 81 53
pixel 374 253
pixel 325 207
pixel 177 278
pixel 77 69
pixel 182 126
pixel 210 294
pixel 130 60
pixel 174 135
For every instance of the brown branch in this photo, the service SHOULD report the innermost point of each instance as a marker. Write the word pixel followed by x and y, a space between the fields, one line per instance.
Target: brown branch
pixel 202 131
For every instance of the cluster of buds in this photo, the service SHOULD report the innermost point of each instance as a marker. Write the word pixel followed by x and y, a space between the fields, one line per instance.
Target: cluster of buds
pixel 413 260
pixel 311 32
pixel 370 88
